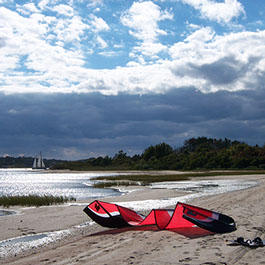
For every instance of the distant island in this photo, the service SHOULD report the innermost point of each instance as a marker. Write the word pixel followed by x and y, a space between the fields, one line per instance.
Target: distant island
pixel 196 154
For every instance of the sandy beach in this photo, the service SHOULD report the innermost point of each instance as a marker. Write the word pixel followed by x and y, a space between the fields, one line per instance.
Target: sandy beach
pixel 93 244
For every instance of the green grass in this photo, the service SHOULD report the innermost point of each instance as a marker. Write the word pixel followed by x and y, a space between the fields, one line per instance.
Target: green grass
pixel 107 184
pixel 33 200
pixel 147 179
pixel 132 180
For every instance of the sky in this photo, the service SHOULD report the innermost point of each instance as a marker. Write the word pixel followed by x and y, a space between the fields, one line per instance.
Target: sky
pixel 87 78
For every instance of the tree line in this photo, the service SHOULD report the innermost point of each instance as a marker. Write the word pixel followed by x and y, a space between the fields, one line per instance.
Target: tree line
pixel 196 153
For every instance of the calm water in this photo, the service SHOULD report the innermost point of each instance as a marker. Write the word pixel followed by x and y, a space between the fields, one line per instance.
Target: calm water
pixel 26 181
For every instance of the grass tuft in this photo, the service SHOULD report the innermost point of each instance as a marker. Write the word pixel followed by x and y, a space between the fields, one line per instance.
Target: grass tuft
pixel 33 200
pixel 139 179
pixel 115 183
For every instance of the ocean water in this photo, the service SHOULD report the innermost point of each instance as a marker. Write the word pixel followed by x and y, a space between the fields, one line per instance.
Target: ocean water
pixel 27 181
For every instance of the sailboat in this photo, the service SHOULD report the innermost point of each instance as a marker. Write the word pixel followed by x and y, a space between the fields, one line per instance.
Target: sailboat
pixel 38 163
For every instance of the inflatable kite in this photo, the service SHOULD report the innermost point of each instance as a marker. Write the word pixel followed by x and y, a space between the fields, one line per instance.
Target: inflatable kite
pixel 183 216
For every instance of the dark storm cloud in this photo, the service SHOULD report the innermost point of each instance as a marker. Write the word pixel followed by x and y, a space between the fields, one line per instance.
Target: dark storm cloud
pixel 75 126
pixel 223 71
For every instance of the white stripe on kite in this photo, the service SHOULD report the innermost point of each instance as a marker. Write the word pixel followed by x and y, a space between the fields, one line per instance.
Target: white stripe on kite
pixel 105 215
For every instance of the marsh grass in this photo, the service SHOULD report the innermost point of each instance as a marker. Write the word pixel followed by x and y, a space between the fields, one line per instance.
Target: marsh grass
pixel 107 183
pixel 134 180
pixel 147 179
pixel 33 200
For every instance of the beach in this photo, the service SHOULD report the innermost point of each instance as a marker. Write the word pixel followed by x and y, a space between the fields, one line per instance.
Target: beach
pixel 92 244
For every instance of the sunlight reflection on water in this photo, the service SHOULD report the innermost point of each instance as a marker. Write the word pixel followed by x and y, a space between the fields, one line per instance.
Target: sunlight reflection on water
pixel 78 185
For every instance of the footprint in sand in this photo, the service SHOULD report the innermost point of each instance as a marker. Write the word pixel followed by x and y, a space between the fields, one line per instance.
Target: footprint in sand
pixel 43 260
pixel 218 254
pixel 185 260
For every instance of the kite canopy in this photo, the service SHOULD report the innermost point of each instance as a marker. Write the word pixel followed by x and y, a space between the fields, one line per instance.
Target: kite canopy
pixel 184 215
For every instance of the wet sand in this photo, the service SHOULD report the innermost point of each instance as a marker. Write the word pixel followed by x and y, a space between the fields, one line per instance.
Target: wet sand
pixel 96 245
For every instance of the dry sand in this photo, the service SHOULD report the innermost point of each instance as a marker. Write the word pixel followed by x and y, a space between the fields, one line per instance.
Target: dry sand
pixel 97 245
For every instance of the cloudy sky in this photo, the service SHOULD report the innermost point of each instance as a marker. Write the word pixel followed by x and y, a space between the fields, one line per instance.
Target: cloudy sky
pixel 83 78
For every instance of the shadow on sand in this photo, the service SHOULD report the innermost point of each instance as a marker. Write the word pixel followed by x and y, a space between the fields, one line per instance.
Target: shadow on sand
pixel 190 232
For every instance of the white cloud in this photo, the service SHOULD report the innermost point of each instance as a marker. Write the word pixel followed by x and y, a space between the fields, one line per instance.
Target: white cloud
pixel 192 26
pixel 201 35
pixel 7 63
pixel 220 12
pixel 118 46
pixel 28 8
pixel 103 44
pixel 19 35
pixel 69 30
pixel 211 62
pixel 6 1
pixel 34 56
pixel 43 3
pixel 98 24
pixel 110 53
pixel 204 60
pixel 65 10
pixel 25 45
pixel 143 18
pixel 150 49
pixel 94 3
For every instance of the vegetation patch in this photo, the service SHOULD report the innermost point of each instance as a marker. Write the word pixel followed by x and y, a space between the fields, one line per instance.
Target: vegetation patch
pixel 115 183
pixel 142 179
pixel 33 200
